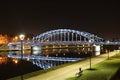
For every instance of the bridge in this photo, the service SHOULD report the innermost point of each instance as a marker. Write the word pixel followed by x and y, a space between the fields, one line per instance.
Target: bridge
pixel 66 37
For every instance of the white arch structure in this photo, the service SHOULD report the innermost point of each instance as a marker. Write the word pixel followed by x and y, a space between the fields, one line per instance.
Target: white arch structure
pixel 66 35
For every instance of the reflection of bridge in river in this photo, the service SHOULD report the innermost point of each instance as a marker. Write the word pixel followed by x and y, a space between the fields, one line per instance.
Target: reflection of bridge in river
pixel 44 58
pixel 45 62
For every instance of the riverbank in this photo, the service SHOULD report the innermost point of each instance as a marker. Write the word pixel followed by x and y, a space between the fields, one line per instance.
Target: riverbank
pixel 105 70
pixel 6 50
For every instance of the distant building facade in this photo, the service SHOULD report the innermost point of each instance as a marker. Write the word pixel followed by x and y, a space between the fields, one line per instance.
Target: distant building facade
pixel 4 39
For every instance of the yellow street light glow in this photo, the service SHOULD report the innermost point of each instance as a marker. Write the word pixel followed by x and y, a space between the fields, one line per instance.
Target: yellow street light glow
pixel 16 38
pixel 22 36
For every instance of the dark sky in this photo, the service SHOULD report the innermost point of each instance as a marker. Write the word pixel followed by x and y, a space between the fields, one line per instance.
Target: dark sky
pixel 100 18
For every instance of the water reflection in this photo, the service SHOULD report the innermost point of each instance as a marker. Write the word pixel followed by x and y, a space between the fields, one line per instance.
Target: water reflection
pixel 36 52
pixel 72 52
pixel 44 58
pixel 10 67
pixel 3 60
pixel 15 61
pixel 42 61
pixel 45 64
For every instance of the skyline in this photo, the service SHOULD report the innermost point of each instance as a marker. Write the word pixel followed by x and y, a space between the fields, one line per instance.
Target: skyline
pixel 99 18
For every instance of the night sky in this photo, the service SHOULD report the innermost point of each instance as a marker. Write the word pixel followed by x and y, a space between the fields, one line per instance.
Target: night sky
pixel 99 18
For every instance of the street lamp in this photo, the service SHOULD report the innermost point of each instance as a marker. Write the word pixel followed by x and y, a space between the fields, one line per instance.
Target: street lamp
pixel 22 36
pixel 108 49
pixel 108 54
pixel 91 51
pixel 119 49
pixel 90 54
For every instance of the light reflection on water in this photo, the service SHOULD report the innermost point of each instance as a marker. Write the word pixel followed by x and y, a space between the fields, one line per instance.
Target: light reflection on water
pixel 64 53
pixel 11 67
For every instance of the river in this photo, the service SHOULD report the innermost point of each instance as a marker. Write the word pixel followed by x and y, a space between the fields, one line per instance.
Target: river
pixel 14 66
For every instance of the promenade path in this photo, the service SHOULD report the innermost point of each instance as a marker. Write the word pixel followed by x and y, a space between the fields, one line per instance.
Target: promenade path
pixel 70 71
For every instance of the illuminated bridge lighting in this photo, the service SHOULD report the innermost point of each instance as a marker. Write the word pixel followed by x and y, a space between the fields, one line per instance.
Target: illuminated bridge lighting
pixel 45 58
pixel 64 37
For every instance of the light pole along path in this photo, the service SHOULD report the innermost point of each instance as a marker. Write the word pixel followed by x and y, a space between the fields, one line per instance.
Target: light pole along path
pixel 70 71
pixel 22 36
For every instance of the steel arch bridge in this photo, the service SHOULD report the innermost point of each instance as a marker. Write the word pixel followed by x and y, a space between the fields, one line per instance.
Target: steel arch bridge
pixel 63 37
pixel 66 35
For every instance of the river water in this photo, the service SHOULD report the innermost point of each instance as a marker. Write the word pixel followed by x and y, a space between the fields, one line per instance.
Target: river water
pixel 11 64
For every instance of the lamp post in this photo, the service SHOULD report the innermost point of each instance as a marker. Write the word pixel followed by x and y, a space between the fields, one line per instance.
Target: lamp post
pixel 91 51
pixel 119 50
pixel 90 59
pixel 108 49
pixel 108 54
pixel 21 36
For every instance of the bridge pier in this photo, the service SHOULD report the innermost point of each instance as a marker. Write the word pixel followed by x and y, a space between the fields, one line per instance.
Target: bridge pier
pixel 97 49
pixel 36 49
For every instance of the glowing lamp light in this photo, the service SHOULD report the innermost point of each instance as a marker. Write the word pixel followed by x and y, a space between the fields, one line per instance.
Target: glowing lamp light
pixel 16 38
pixel 22 36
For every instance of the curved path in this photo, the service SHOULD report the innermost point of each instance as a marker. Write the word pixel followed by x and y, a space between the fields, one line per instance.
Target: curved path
pixel 69 71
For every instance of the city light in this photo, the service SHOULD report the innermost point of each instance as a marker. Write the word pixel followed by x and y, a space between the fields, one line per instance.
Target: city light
pixel 15 61
pixel 22 36
pixel 3 39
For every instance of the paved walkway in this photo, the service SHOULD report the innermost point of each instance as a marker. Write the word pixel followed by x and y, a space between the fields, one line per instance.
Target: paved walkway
pixel 69 71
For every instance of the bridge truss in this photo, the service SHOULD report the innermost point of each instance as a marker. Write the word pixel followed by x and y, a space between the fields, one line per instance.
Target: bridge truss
pixel 66 35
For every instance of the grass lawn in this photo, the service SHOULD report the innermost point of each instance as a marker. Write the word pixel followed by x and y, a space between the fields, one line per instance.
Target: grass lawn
pixel 102 71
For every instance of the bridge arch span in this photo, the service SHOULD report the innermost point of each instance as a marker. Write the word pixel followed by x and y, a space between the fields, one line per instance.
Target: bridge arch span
pixel 66 35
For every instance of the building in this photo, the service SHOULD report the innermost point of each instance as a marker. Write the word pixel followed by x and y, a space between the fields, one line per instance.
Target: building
pixel 3 39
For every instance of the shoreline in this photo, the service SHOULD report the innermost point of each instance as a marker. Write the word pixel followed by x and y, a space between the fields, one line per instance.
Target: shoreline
pixel 5 50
